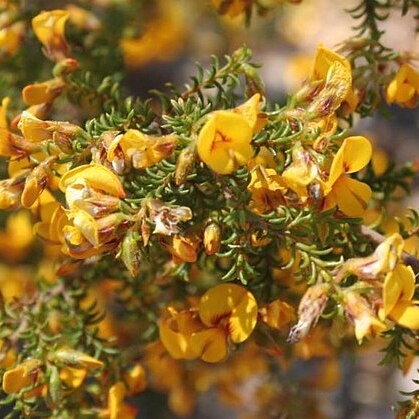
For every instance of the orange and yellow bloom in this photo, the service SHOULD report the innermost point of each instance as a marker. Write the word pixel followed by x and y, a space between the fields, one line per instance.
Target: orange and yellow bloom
pixel 404 88
pixel 226 311
pixel 349 195
pixel 49 28
pixel 330 83
pixel 398 292
pixel 139 149
pixel 92 193
pixel 224 142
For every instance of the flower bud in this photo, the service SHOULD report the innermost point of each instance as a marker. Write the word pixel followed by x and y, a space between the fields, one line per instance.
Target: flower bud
pixel 54 387
pixel 64 67
pixel 36 182
pixel 254 83
pixel 212 238
pixel 76 359
pixel 184 164
pixel 130 254
pixel 182 248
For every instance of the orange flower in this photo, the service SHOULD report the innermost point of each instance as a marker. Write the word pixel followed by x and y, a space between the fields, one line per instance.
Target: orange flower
pixel 350 195
pixel 398 291
pixel 46 92
pixel 139 149
pixel 224 142
pixel 49 28
pixel 226 311
pixel 404 88
pixel 363 318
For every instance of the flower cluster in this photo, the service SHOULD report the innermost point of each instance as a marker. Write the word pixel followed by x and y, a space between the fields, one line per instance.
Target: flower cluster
pixel 207 241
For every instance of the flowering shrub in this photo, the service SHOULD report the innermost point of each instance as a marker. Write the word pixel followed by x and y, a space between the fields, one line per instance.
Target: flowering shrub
pixel 200 239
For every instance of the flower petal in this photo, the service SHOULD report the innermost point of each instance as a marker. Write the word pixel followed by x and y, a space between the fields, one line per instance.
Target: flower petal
pixel 234 304
pixel 224 142
pixel 406 314
pixel 351 196
pixel 212 344
pixel 98 177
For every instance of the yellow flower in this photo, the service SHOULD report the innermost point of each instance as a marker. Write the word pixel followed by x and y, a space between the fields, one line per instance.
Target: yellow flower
pixel 53 220
pixel 89 236
pixel 36 130
pixel 231 8
pixel 324 61
pixel 11 37
pixel 46 92
pixel 404 88
pixel 162 40
pixel 97 176
pixel 267 188
pixel 331 79
pixel 182 248
pixel 379 161
pixel 10 192
pixel 398 291
pixel 136 379
pixel 92 194
pixel 8 356
pixel 249 110
pixel 224 142
pixel 11 145
pixel 15 281
pixel 139 149
pixel 17 237
pixel 360 313
pixel 116 407
pixel 36 182
pixel 21 376
pixel 3 113
pixel 185 337
pixel 83 19
pixel 73 377
pixel 233 307
pixel 277 314
pixel 225 311
pixel 300 173
pixel 49 28
pixel 350 195
pixel 381 262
